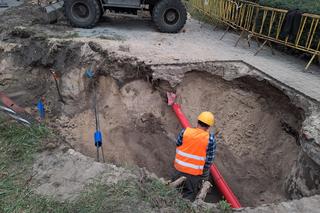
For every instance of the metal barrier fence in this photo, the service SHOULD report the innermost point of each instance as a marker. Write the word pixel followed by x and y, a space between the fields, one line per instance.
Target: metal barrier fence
pixel 264 23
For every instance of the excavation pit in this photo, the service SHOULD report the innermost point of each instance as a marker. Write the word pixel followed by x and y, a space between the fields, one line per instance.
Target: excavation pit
pixel 259 156
pixel 255 155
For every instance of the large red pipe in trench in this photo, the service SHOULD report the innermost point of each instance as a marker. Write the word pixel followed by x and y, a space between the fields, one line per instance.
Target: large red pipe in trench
pixel 218 179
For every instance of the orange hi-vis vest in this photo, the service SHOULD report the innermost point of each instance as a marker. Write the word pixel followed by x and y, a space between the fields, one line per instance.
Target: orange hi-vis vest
pixel 191 155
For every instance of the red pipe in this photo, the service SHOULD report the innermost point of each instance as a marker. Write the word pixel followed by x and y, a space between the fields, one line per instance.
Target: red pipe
pixel 224 188
pixel 183 120
pixel 218 179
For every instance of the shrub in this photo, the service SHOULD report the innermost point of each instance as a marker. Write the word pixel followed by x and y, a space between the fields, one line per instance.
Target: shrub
pixel 306 6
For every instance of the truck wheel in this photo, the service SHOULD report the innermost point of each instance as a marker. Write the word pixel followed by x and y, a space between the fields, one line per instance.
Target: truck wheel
pixel 82 13
pixel 169 15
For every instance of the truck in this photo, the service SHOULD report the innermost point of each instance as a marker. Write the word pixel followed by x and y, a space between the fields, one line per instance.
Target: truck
pixel 169 16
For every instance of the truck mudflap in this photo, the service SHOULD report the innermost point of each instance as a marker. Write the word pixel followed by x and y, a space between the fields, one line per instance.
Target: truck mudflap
pixel 52 10
pixel 53 7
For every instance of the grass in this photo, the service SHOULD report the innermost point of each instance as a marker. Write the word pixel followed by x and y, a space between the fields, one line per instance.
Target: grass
pixel 18 146
pixel 131 196
pixel 196 14
pixel 224 206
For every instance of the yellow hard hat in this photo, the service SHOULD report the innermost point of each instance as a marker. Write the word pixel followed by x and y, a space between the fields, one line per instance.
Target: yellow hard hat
pixel 207 118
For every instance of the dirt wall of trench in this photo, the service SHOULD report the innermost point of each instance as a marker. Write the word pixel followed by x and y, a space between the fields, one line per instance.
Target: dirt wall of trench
pixel 255 154
pixel 255 119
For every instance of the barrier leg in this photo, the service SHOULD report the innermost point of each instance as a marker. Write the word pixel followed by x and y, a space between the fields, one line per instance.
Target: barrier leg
pixel 240 37
pixel 257 40
pixel 261 47
pixel 272 52
pixel 311 60
pixel 249 39
pixel 225 32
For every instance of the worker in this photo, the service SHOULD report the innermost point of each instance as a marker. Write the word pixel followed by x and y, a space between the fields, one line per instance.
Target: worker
pixel 195 153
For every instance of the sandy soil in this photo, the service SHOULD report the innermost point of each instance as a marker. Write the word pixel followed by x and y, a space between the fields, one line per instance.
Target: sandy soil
pixel 255 156
pixel 135 125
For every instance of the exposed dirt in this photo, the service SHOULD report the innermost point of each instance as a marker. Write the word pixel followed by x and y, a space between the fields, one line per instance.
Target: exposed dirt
pixel 134 121
pixel 255 156
pixel 63 173
pixel 258 123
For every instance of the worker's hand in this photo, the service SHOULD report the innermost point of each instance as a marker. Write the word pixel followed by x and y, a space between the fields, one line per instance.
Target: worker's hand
pixel 171 98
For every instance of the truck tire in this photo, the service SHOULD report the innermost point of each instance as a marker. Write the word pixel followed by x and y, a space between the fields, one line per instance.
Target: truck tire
pixel 83 13
pixel 169 16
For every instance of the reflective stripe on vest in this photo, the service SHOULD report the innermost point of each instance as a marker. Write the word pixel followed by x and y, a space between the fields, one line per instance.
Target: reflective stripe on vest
pixel 193 166
pixel 191 155
pixel 196 157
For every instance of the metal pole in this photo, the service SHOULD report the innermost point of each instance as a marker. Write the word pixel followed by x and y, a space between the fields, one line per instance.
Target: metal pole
pixel 102 154
pixel 96 115
pixel 96 109
pixel 98 154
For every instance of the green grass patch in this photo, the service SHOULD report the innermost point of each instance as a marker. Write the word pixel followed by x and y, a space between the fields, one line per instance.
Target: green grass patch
pixel 18 146
pixel 131 196
pixel 224 206
pixel 19 143
pixel 200 16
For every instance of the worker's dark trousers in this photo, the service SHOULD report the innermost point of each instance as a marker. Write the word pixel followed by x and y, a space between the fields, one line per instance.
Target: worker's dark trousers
pixel 192 184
